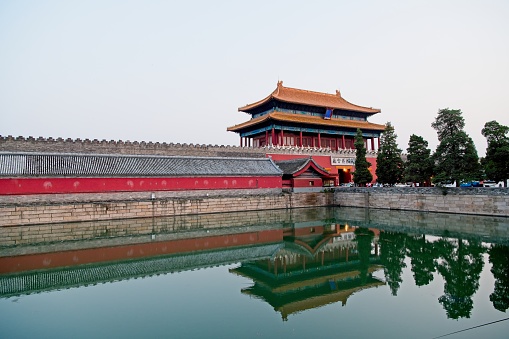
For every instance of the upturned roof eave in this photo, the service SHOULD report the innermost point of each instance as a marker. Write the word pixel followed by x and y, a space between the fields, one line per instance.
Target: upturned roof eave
pixel 311 163
pixel 279 116
pixel 280 92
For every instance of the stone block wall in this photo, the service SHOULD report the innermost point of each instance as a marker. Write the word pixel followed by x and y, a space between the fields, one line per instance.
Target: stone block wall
pixel 477 201
pixel 74 210
pixel 166 227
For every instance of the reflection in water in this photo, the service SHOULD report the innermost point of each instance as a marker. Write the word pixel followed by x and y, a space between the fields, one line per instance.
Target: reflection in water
pixel 297 260
pixel 423 258
pixel 499 258
pixel 318 265
pixel 461 265
pixel 393 248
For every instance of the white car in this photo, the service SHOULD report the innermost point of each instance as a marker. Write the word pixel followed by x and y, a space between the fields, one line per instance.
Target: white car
pixel 403 185
pixel 490 183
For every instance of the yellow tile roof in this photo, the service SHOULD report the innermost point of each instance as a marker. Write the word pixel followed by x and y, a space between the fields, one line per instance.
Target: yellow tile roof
pixel 308 120
pixel 300 96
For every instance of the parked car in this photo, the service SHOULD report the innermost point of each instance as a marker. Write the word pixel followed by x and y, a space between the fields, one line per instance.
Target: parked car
pixel 491 183
pixel 471 184
pixel 403 185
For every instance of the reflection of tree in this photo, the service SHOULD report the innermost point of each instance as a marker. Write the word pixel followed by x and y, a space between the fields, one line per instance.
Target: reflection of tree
pixel 461 266
pixel 364 236
pixel 423 257
pixel 499 258
pixel 392 256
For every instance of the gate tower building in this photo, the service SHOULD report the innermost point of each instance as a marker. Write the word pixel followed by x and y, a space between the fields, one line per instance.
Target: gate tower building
pixel 292 123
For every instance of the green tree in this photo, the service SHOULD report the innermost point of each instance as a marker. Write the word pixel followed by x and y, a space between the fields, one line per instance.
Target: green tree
pixel 389 164
pixel 455 158
pixel 362 175
pixel 496 162
pixel 418 166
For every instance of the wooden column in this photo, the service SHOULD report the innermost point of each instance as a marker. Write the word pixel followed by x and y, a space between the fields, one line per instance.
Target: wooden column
pixel 300 139
pixel 343 139
pixel 372 144
pixel 273 136
pixel 282 138
pixel 240 141
pixel 266 138
pixel 319 141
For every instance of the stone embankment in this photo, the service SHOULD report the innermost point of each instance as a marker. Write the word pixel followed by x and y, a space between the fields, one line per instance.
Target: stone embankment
pixel 471 200
pixel 66 208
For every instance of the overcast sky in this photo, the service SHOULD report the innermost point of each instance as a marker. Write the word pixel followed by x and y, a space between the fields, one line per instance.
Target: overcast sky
pixel 177 71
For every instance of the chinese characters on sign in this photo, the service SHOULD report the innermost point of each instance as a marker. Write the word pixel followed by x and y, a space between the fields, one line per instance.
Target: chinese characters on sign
pixel 337 161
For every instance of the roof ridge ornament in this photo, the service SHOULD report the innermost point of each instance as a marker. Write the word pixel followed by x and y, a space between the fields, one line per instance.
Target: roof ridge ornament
pixel 338 93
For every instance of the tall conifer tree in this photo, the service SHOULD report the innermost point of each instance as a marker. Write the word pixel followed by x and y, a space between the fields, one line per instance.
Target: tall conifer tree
pixel 455 158
pixel 362 175
pixel 389 164
pixel 496 162
pixel 418 165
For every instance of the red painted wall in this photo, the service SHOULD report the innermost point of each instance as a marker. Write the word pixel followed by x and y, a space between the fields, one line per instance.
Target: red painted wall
pixel 304 182
pixel 94 185
pixel 324 161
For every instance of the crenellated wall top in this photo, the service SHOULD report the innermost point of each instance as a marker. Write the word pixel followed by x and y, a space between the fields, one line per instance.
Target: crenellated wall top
pixel 40 144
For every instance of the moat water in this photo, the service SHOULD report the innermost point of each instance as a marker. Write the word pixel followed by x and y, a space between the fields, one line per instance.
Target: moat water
pixel 306 273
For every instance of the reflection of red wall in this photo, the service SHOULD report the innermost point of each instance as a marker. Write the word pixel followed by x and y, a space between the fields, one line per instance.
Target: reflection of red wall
pixel 137 251
pixel 90 185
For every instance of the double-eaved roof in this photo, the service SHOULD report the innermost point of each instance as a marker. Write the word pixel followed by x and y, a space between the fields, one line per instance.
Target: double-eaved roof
pixel 308 120
pixel 23 164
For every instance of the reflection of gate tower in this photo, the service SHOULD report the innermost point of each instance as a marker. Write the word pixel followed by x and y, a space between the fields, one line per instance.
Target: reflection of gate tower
pixel 300 120
pixel 318 265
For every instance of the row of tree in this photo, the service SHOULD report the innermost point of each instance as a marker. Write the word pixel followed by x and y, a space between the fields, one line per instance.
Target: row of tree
pixel 454 160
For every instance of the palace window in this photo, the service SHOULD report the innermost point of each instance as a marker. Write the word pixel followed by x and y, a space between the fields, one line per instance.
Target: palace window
pixel 289 141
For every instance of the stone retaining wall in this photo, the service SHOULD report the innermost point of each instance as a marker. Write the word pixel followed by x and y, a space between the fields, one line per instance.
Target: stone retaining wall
pixel 478 201
pixel 74 207
pixel 101 233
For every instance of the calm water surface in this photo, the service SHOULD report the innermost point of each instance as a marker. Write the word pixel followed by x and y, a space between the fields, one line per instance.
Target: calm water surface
pixel 320 273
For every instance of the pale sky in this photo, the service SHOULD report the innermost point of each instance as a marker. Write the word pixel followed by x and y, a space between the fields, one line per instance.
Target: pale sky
pixel 177 71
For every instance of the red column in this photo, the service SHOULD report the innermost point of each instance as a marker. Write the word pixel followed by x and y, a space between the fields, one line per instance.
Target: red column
pixel 273 136
pixel 240 141
pixel 300 139
pixel 266 138
pixel 343 139
pixel 378 143
pixel 319 141
pixel 282 138
pixel 372 144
